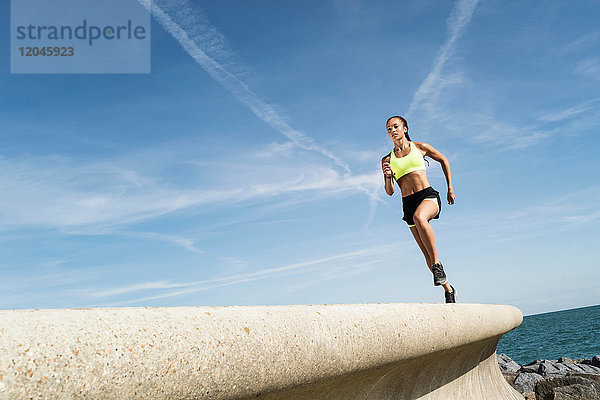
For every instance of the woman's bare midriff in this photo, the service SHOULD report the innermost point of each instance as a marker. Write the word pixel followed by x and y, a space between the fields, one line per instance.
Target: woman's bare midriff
pixel 413 182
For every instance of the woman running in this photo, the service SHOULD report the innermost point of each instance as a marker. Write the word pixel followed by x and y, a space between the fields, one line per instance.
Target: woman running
pixel 405 164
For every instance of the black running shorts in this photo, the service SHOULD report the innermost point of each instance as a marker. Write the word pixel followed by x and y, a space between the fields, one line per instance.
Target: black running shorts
pixel 412 201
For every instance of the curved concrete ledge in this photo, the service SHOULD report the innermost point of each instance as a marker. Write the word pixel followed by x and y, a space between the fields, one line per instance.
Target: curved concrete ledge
pixel 360 351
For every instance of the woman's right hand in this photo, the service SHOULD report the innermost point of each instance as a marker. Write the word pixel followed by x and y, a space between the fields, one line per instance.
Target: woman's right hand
pixel 387 170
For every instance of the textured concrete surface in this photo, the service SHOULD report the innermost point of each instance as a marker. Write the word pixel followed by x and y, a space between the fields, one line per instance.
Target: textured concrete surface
pixel 358 351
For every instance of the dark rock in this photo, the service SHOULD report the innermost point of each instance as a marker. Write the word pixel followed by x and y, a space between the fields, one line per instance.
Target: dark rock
pixel 545 388
pixel 525 382
pixel 507 364
pixel 562 368
pixel 589 369
pixel 565 360
pixel 576 392
pixel 595 378
pixel 550 369
pixel 536 362
pixel 546 369
pixel 596 361
pixel 574 368
pixel 532 367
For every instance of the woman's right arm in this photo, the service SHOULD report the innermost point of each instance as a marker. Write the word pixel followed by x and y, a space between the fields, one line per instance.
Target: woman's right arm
pixel 387 175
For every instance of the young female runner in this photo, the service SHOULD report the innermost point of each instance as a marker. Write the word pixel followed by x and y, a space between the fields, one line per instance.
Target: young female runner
pixel 420 202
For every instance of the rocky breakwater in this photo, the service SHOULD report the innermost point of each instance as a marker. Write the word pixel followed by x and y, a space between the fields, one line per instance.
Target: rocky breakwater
pixel 562 379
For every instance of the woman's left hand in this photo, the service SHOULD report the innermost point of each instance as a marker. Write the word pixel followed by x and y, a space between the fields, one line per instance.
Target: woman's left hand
pixel 450 196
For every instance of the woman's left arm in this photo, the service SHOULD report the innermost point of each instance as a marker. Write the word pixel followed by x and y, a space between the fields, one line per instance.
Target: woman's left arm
pixel 439 157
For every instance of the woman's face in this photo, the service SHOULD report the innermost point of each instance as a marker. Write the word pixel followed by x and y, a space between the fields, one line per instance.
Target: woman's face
pixel 396 129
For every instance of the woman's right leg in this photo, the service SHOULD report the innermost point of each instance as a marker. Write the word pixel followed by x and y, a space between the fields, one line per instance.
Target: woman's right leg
pixel 423 214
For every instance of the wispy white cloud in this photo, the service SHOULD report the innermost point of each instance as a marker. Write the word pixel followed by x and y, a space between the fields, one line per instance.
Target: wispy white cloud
pixel 101 197
pixel 457 22
pixel 354 14
pixel 589 67
pixel 565 212
pixel 351 261
pixel 136 287
pixel 502 135
pixel 56 193
pixel 581 42
pixel 571 111
pixel 180 20
pixel 186 243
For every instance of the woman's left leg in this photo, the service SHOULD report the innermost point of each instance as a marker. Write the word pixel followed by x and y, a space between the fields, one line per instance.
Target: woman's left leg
pixel 415 232
pixel 424 213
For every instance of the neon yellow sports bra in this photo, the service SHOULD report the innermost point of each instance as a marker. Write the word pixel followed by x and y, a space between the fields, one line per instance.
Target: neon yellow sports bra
pixel 411 162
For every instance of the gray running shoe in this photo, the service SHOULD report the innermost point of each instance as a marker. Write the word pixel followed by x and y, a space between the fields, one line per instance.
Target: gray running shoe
pixel 439 277
pixel 451 296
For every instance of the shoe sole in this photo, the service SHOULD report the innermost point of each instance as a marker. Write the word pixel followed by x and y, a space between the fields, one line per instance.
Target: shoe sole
pixel 440 283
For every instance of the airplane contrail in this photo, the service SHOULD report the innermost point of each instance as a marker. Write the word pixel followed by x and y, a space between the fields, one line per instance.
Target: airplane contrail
pixel 457 22
pixel 182 26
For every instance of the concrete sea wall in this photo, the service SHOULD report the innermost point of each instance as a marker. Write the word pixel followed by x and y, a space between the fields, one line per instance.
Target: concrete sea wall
pixel 357 351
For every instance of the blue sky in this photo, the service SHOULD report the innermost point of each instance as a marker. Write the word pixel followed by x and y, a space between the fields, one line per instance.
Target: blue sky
pixel 245 168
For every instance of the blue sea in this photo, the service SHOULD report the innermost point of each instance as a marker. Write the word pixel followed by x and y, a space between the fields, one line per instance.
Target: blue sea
pixel 570 333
